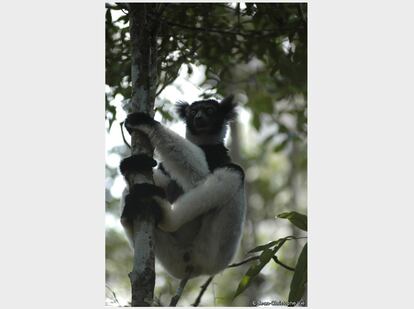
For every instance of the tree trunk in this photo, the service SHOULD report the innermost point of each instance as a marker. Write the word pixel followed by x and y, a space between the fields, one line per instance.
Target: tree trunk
pixel 143 76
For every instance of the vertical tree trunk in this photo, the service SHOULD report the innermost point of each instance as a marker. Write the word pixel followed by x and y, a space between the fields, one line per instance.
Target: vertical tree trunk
pixel 143 76
pixel 235 142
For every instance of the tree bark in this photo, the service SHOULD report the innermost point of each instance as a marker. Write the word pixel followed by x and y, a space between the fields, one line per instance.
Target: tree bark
pixel 143 76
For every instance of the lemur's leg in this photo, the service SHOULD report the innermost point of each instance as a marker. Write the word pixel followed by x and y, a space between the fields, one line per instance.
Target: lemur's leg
pixel 171 188
pixel 222 188
pixel 138 199
pixel 161 179
pixel 126 222
pixel 186 159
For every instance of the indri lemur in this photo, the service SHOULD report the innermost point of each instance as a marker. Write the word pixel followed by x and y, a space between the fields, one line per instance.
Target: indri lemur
pixel 198 193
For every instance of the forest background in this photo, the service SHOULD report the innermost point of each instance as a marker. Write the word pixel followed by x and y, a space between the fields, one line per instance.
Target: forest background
pixel 257 52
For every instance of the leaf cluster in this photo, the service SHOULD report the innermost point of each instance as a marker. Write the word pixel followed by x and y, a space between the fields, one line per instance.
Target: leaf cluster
pixel 268 253
pixel 219 36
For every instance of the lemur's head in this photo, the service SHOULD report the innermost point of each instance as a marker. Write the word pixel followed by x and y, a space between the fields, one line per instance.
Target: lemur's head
pixel 207 120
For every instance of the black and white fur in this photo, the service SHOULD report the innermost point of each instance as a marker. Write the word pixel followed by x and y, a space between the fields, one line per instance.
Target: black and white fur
pixel 202 206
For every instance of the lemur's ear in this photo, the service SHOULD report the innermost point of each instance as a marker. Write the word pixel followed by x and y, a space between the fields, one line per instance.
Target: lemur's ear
pixel 228 107
pixel 181 109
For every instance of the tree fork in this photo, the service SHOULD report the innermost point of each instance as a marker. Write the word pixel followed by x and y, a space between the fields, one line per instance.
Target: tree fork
pixel 143 33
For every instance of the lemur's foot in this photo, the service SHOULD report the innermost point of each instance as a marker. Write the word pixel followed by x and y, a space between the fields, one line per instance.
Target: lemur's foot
pixel 140 203
pixel 137 163
pixel 138 121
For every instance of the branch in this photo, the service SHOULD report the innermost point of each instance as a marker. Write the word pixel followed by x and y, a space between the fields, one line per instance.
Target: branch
pixel 123 136
pixel 143 74
pixel 167 81
pixel 179 292
pixel 182 59
pixel 244 262
pixel 113 295
pixel 276 260
pixel 203 289
pixel 227 31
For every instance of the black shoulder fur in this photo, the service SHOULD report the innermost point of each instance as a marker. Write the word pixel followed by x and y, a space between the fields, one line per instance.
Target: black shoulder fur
pixel 216 155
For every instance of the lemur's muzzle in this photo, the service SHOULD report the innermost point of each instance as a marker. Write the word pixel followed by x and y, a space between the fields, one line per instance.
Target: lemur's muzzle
pixel 201 121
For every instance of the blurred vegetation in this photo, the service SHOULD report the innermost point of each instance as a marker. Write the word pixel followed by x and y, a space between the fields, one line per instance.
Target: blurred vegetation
pixel 259 53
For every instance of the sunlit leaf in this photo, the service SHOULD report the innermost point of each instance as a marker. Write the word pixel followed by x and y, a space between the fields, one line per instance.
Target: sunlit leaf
pixel 262 247
pixel 300 277
pixel 299 220
pixel 254 270
pixel 266 256
pixel 271 244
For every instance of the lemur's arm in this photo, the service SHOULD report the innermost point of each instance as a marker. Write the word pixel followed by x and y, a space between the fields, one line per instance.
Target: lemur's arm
pixel 223 188
pixel 184 159
pixel 160 178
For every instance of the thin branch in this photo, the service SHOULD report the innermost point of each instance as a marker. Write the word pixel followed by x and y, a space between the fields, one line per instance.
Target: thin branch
pixel 191 52
pixel 179 292
pixel 260 33
pixel 203 289
pixel 123 136
pixel 253 258
pixel 166 83
pixel 113 295
pixel 277 261
pixel 227 32
pixel 177 63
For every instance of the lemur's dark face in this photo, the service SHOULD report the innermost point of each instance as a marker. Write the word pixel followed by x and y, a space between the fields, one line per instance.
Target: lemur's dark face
pixel 203 117
pixel 207 116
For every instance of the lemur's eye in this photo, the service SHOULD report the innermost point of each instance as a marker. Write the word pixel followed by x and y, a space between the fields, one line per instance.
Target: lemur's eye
pixel 193 112
pixel 210 110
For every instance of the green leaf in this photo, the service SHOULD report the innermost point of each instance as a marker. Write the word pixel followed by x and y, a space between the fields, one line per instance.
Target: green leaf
pixel 299 220
pixel 253 271
pixel 256 121
pixel 279 242
pixel 300 277
pixel 266 256
pixel 281 146
pixel 262 247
